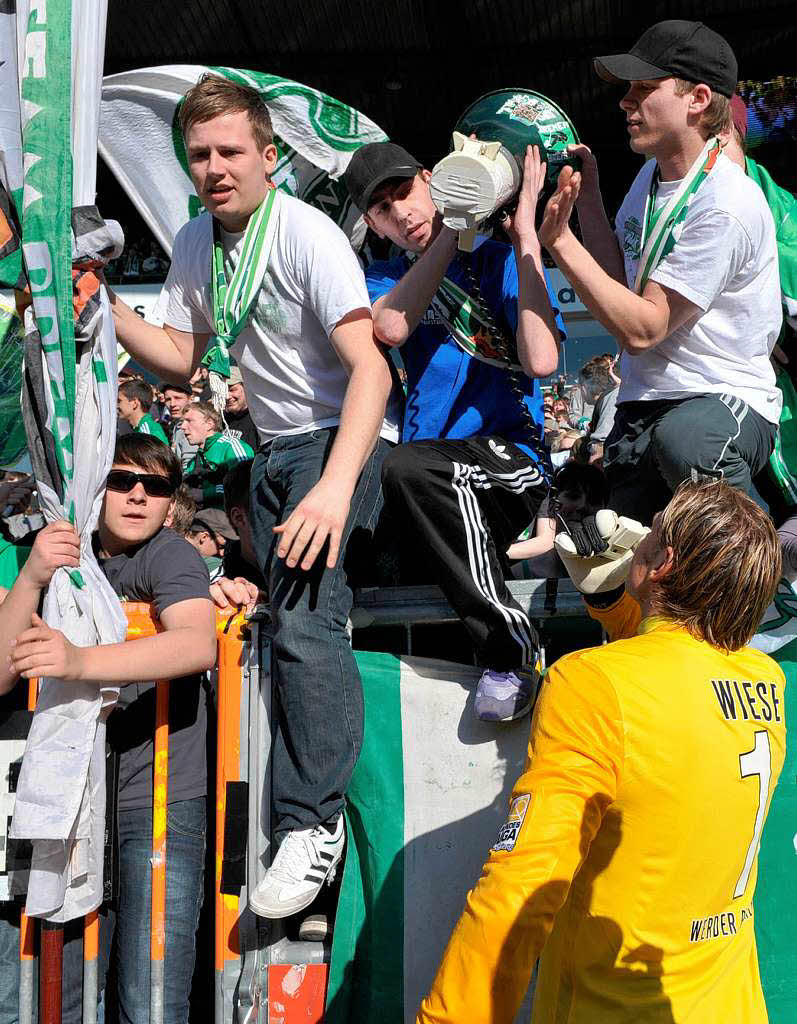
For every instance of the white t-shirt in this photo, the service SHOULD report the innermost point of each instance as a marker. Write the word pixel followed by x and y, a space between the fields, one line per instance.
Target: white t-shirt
pixel 725 261
pixel 293 378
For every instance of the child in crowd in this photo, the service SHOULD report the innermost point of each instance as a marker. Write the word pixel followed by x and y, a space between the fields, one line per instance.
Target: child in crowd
pixel 144 561
pixel 576 492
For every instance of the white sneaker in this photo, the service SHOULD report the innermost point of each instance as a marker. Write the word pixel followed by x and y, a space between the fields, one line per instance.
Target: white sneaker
pixel 306 859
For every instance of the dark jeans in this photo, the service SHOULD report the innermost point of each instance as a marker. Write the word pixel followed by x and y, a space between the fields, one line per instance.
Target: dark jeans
pixel 126 929
pixel 320 719
pixel 654 446
pixel 9 965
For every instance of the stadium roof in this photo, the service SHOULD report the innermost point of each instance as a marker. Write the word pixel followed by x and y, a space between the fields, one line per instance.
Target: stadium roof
pixel 413 65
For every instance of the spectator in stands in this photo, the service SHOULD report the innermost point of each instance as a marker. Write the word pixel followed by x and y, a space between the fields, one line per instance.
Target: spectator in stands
pixel 580 404
pixel 532 556
pixel 178 396
pixel 240 557
pixel 216 454
pixel 602 388
pixel 202 536
pixel 236 411
pixel 144 561
pixel 317 385
pixel 696 321
pixel 242 582
pixel 133 404
pixel 473 470
pixel 778 485
pixel 577 491
pixel 156 264
pixel 222 531
pixel 199 384
pixel 587 452
pixel 182 512
pixel 561 412
pixel 209 537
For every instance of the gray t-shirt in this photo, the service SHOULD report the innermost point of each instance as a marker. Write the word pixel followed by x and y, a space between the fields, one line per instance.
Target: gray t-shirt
pixel 164 570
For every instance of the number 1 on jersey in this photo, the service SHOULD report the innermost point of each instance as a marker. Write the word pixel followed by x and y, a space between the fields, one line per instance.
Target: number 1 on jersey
pixel 757 761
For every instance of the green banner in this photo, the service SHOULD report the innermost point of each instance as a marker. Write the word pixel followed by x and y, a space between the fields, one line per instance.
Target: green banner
pixel 47 207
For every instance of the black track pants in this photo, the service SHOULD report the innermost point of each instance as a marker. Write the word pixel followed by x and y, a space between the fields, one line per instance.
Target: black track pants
pixel 458 505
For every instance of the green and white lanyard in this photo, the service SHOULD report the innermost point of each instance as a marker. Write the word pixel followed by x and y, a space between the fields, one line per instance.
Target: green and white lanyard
pixel 469 322
pixel 234 300
pixel 658 226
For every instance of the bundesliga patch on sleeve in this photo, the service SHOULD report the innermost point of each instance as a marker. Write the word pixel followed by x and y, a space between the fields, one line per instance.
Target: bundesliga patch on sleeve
pixel 510 830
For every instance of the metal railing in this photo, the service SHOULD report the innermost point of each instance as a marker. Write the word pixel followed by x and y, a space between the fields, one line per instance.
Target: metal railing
pixel 245 947
pixel 230 631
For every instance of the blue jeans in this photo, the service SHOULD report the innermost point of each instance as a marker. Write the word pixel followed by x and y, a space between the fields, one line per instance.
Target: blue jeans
pixel 126 930
pixel 320 719
pixel 9 965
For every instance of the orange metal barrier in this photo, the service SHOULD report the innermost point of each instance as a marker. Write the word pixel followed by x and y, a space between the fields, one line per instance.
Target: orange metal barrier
pixel 228 769
pixel 231 631
pixel 26 925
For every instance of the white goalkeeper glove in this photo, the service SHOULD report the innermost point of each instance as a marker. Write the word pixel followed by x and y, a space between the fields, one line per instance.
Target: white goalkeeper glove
pixel 599 573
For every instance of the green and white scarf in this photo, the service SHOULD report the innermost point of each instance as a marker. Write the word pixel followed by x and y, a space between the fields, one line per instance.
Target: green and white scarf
pixel 468 322
pixel 234 300
pixel 659 226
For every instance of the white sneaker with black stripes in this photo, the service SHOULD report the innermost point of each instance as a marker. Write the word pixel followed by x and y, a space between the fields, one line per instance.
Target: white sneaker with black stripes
pixel 306 859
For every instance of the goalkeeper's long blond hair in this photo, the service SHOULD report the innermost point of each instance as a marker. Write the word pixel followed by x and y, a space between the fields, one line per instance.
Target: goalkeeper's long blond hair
pixel 726 563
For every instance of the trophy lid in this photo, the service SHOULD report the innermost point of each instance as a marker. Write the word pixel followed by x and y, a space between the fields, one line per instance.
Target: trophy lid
pixel 522 117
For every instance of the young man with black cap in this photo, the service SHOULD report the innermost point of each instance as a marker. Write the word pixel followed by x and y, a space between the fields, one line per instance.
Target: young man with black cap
pixel 687 283
pixel 472 470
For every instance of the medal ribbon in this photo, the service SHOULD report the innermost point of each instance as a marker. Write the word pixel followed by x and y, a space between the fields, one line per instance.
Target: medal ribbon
pixel 659 225
pixel 467 322
pixel 233 300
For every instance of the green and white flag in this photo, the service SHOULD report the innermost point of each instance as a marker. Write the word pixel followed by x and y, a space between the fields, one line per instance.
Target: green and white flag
pixel 12 430
pixel 428 796
pixel 69 410
pixel 776 894
pixel 315 137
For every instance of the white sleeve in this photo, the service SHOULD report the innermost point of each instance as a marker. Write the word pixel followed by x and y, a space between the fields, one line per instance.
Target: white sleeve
pixel 183 302
pixel 330 274
pixel 712 248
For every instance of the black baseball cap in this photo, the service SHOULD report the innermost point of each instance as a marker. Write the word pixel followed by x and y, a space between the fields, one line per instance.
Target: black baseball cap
pixel 682 49
pixel 374 163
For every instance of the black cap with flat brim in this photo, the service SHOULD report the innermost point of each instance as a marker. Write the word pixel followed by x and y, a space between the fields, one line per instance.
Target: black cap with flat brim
pixel 372 165
pixel 621 68
pixel 679 49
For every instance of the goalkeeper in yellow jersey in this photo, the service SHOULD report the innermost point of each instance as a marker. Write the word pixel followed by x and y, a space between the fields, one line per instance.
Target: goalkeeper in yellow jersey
pixel 628 859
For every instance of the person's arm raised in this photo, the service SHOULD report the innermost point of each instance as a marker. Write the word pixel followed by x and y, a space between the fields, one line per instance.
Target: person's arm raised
pixel 637 322
pixel 323 511
pixel 164 351
pixel 398 312
pixel 599 239
pixel 537 333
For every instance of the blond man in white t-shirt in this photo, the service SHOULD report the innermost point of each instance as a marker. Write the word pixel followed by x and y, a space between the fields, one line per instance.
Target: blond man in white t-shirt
pixel 317 385
pixel 687 283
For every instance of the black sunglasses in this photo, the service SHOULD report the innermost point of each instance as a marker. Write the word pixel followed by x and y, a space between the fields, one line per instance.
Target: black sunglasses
pixel 124 480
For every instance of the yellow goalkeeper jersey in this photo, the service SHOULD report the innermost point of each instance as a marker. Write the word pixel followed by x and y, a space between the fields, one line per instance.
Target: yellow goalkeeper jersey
pixel 631 844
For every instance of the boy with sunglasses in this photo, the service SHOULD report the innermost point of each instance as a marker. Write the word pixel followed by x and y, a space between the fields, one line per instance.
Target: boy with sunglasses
pixel 144 561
